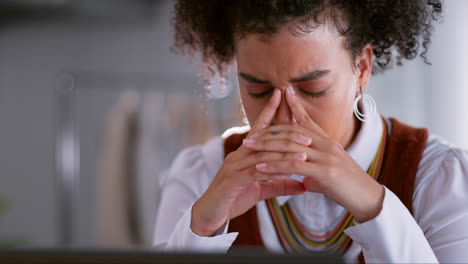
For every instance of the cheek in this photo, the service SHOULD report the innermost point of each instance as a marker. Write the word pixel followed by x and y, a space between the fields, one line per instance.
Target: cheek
pixel 321 112
pixel 331 113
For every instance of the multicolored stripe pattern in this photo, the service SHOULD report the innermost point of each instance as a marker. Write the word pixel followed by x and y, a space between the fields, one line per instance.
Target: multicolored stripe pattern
pixel 296 238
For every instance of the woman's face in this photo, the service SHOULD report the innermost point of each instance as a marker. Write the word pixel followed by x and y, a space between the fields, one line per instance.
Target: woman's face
pixel 316 65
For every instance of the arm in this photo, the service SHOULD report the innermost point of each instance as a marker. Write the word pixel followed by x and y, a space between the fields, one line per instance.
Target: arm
pixel 186 181
pixel 442 210
pixel 393 236
pixel 437 232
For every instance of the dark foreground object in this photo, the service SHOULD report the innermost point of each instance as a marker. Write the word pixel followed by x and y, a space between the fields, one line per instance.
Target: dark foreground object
pixel 64 256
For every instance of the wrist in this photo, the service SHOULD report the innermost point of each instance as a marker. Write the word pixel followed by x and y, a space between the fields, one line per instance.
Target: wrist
pixel 199 225
pixel 373 204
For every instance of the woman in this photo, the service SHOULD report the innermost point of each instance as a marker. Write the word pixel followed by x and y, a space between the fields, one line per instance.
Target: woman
pixel 316 170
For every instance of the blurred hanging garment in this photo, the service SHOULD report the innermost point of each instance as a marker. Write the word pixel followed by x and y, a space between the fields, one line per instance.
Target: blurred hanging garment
pixel 117 215
pixel 144 132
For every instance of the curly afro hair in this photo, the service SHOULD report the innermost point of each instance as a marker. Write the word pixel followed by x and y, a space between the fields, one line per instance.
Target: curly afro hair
pixel 396 29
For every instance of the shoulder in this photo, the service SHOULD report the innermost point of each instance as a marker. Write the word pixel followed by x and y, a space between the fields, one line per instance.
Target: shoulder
pixel 442 176
pixel 206 154
pixel 439 155
pixel 197 164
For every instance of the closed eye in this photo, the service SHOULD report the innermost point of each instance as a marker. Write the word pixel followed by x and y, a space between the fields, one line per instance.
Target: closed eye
pixel 315 95
pixel 266 93
pixel 259 95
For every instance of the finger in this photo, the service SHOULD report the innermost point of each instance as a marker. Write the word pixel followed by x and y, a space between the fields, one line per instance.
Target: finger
pixel 290 134
pixel 264 156
pixel 251 174
pixel 301 135
pixel 280 188
pixel 277 129
pixel 266 116
pixel 279 145
pixel 239 154
pixel 300 114
pixel 307 169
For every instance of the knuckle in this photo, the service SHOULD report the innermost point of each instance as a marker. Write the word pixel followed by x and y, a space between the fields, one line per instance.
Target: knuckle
pixel 261 156
pixel 291 134
pixel 252 173
pixel 328 157
pixel 335 147
pixel 260 143
pixel 288 144
pixel 331 172
pixel 303 118
pixel 270 107
pixel 294 164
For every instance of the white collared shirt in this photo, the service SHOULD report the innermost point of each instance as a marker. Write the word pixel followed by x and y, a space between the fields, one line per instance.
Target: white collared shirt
pixel 437 230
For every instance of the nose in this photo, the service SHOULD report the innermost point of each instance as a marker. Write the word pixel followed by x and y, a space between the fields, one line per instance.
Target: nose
pixel 283 114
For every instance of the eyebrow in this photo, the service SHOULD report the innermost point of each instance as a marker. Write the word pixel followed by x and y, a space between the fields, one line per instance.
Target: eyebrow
pixel 252 79
pixel 314 75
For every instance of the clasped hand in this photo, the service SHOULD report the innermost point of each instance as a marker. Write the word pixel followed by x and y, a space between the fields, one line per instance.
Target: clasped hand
pixel 270 154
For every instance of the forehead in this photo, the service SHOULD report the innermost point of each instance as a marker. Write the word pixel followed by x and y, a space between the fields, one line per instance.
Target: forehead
pixel 286 54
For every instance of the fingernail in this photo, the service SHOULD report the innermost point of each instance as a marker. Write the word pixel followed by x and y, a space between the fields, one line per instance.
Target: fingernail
pixel 248 141
pixel 277 91
pixel 305 140
pixel 261 166
pixel 291 90
pixel 301 156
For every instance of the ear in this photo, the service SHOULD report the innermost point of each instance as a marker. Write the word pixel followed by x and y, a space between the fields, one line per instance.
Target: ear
pixel 364 67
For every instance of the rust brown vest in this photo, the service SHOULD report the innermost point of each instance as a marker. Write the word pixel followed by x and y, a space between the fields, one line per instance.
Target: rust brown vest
pixel 403 151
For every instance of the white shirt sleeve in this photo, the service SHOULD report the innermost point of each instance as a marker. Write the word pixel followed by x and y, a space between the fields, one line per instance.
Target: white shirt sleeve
pixel 438 231
pixel 186 181
pixel 393 236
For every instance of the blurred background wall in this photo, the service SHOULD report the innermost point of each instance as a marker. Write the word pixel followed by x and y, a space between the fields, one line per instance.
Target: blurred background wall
pixel 91 51
pixel 39 41
pixel 433 96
